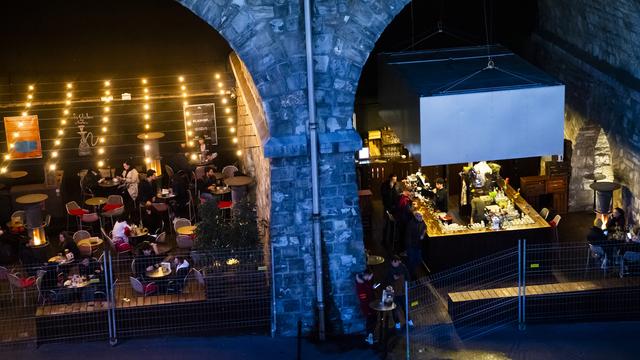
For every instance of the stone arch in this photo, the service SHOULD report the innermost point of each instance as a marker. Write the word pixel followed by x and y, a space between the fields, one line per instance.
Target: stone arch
pixel 268 37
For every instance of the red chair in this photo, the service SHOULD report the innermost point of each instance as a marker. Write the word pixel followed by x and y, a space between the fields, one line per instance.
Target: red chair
pixel 225 206
pixel 21 283
pixel 144 289
pixel 73 209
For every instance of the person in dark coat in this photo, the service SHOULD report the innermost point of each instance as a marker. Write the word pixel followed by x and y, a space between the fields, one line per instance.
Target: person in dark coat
pixel 364 289
pixel 389 192
pixel 397 274
pixel 414 236
pixel 442 196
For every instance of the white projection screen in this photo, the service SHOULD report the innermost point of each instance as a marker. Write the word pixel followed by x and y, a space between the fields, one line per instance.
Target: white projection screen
pixel 506 124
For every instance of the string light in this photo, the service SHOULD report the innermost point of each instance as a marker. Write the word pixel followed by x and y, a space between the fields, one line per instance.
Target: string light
pixel 239 152
pixel 31 87
pixel 181 78
pixel 69 85
pixel 217 76
pixel 3 169
pixel 235 140
pixel 232 130
pixel 144 81
pixel 227 110
pixel 105 120
pixel 100 163
pixel 52 167
pixel 54 154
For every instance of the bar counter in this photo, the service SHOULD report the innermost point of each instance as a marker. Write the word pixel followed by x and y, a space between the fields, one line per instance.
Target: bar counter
pixel 446 249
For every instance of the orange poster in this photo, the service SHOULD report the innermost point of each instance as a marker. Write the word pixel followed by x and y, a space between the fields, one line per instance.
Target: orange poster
pixel 23 137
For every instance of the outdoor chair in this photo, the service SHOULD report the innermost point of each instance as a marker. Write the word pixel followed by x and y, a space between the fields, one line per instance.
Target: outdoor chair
pixel 113 207
pixel 629 258
pixel 85 249
pixel 23 284
pixel 197 274
pixel 143 289
pixel 73 209
pixel 180 222
pixel 184 242
pixel 44 295
pixel 554 224
pixel 544 213
pixel 229 171
pixel 81 235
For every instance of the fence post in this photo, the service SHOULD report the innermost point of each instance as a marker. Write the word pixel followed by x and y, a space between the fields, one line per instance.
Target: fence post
pixel 273 296
pixel 111 312
pixel 523 324
pixel 406 320
pixel 519 270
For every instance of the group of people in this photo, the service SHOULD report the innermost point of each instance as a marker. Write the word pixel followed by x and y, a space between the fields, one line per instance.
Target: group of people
pixel 394 280
pixel 615 239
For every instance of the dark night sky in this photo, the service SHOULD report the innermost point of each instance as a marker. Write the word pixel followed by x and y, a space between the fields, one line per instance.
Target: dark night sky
pixel 79 39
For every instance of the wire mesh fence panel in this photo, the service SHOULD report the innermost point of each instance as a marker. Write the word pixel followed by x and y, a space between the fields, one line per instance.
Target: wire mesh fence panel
pixel 464 302
pixel 59 300
pixel 581 282
pixel 218 292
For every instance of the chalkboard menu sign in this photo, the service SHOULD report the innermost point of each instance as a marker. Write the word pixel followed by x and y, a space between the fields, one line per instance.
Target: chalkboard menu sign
pixel 203 120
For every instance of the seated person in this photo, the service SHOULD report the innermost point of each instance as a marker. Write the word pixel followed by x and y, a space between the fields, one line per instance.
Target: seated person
pixel 616 221
pixel 596 235
pixel 89 266
pixel 204 184
pixel 121 232
pixel 67 243
pixel 90 181
pixel 146 259
pixel 182 269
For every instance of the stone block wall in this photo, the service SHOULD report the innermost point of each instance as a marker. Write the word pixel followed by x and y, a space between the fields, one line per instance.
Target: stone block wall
pixel 594 48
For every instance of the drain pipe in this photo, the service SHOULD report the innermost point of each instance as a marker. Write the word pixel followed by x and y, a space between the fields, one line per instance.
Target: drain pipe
pixel 315 188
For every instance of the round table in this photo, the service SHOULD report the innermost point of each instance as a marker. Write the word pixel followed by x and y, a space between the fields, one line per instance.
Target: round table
pixel 71 285
pixel 134 236
pixel 92 241
pixel 108 183
pixel 96 201
pixel 383 318
pixel 374 260
pixel 235 181
pixel 16 174
pixel 165 197
pixel 186 230
pixel 158 273
pixel 219 190
pixel 59 259
pixel 33 209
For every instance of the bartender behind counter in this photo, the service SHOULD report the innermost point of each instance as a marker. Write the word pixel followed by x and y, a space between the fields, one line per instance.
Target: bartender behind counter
pixel 442 196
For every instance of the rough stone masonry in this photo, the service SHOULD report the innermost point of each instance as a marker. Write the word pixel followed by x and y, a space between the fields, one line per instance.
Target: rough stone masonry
pixel 268 36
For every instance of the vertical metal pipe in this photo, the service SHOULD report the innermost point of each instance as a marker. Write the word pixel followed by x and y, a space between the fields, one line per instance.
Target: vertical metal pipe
pixel 315 188
pixel 524 283
pixel 273 298
pixel 406 319
pixel 107 290
pixel 519 282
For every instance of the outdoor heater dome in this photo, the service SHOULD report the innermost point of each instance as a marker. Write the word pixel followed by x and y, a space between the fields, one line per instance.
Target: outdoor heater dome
pixel 603 196
pixel 470 104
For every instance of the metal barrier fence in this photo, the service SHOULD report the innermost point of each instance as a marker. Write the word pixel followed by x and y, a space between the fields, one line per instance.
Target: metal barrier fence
pixel 110 298
pixel 535 283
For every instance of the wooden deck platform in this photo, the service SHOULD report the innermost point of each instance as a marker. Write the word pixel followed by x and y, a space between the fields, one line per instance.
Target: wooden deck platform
pixel 545 289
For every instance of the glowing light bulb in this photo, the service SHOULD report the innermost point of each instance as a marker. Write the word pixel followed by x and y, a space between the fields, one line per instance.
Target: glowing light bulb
pixel 68 102
pixel 185 103
pixel 239 152
pixel 24 113
pixel 230 120
pixel 147 160
pixel 31 87
pixel 224 100
pixel 69 94
pixel 217 76
pixel 69 85
pixel 190 133
pixel 227 110
pixel 188 123
pixel 194 157
pixel 66 111
pixel 146 116
pixel 3 169
pixel 102 140
pixel 7 156
pixel 101 151
pixel 146 126
pixel 11 146
pixel 104 129
pixel 107 83
pixel 191 143
pixel 183 87
pixel 28 104
pixel 232 130
pixel 220 84
pixel 184 94
pixel 144 81
pixel 105 119
pixel 221 92
pixel 186 113
pixel 107 109
pixel 181 78
pixel 100 163
pixel 146 97
pixel 146 106
pixel 52 167
pixel 107 92
pixel 54 154
pixel 29 96
pixel 235 140
pixel 60 132
pixel 63 122
pixel 57 142
pixel 146 147
pixel 146 91
pixel 15 134
pixel 20 124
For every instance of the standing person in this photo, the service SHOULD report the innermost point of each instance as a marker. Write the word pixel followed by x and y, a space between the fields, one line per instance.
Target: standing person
pixel 414 236
pixel 364 288
pixel 477 208
pixel 442 196
pixel 403 216
pixel 389 192
pixel 397 274
pixel 130 180
pixel 180 188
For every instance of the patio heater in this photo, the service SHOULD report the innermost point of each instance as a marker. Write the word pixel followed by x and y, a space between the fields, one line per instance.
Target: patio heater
pixel 603 198
pixel 152 150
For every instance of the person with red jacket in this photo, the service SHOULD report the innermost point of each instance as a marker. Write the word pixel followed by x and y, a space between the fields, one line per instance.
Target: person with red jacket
pixel 364 288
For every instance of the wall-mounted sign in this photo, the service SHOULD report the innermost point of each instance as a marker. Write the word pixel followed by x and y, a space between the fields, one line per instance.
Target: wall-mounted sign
pixel 203 122
pixel 23 137
pixel 87 139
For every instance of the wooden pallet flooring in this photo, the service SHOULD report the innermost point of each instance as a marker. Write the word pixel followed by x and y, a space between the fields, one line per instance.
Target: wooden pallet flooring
pixel 545 289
